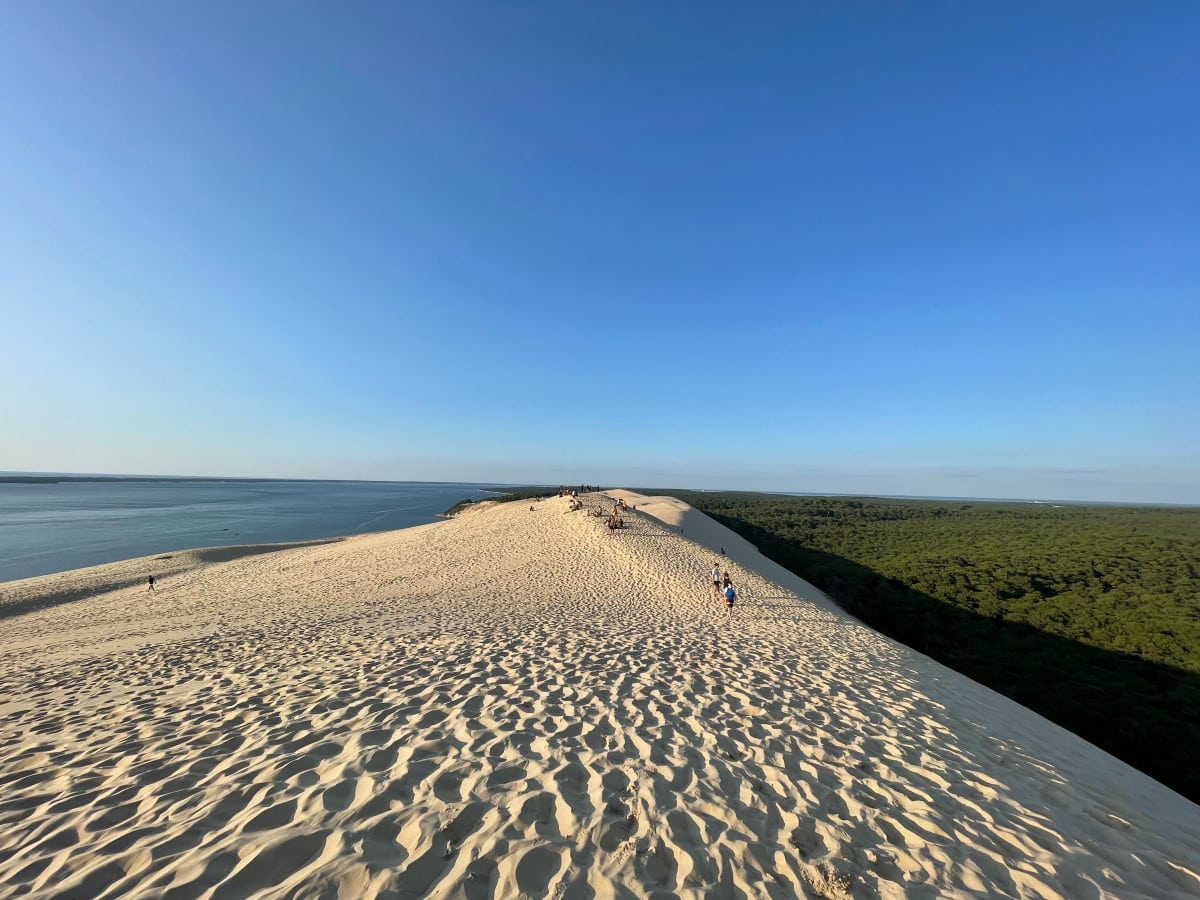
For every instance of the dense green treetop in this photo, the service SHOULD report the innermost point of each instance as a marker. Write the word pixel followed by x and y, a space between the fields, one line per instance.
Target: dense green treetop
pixel 1088 614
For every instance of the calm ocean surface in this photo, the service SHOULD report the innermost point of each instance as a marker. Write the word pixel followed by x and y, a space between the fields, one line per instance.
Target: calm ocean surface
pixel 54 527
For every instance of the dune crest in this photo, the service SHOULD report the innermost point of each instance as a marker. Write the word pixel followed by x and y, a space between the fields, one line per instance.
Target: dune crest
pixel 516 702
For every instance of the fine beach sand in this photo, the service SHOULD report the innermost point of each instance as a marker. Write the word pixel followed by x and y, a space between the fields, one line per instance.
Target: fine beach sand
pixel 520 704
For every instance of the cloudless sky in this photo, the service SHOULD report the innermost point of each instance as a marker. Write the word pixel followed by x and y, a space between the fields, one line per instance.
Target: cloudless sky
pixel 913 248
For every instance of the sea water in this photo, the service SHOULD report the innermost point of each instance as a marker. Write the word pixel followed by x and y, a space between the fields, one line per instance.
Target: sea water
pixel 48 528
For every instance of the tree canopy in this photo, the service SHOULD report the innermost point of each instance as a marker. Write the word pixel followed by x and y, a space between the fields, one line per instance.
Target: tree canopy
pixel 1088 615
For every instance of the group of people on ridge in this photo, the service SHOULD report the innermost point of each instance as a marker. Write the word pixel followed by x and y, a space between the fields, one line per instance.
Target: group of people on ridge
pixel 723 586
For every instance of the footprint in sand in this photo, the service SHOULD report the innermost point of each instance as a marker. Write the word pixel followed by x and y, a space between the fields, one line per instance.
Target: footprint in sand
pixel 537 868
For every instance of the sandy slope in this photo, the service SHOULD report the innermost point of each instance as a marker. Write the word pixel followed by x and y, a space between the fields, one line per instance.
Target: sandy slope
pixel 517 703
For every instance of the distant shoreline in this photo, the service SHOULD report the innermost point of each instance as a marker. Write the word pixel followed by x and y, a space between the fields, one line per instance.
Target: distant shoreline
pixel 493 487
pixel 71 479
pixel 9 478
pixel 51 522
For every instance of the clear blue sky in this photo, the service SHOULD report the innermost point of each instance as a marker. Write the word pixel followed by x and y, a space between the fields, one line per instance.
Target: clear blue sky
pixel 928 248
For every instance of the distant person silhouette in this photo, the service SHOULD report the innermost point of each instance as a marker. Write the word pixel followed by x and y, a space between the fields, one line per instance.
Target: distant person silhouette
pixel 150 582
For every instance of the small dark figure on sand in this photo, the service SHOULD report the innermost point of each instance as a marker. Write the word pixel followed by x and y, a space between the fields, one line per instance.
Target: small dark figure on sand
pixel 150 582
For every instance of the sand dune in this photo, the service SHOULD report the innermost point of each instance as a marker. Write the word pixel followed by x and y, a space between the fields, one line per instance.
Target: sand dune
pixel 516 703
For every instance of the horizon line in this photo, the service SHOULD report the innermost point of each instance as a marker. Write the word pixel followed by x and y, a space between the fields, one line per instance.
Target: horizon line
pixel 932 498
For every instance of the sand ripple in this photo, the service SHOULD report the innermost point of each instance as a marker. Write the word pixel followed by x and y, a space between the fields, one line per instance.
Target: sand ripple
pixel 517 703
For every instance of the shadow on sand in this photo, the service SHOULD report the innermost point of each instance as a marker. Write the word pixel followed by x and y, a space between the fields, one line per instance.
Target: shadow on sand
pixel 1142 712
pixel 182 560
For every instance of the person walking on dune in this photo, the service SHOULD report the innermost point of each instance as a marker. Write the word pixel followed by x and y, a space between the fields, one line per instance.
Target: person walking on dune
pixel 716 578
pixel 730 596
pixel 150 582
